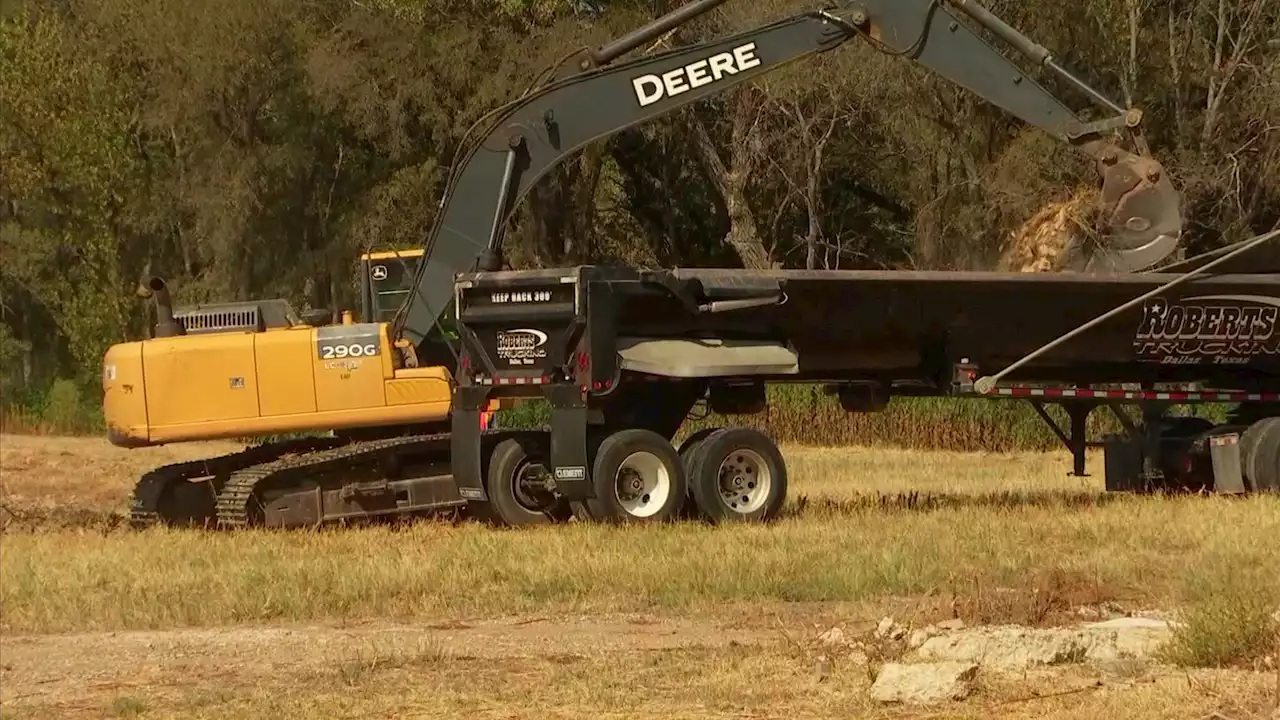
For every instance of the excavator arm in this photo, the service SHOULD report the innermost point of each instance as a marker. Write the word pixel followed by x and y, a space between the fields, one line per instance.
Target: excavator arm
pixel 526 138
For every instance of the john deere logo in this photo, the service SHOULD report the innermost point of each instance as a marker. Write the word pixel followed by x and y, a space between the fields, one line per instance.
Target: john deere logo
pixel 379 272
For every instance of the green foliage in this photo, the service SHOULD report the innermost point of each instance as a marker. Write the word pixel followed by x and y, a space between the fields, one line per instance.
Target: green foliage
pixel 128 706
pixel 63 405
pixel 62 408
pixel 66 162
pixel 522 11
pixel 11 371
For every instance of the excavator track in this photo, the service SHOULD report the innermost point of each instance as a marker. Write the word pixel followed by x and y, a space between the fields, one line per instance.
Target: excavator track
pixel 236 498
pixel 149 491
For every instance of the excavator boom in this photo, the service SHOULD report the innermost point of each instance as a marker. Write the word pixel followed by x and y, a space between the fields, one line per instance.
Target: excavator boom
pixel 528 137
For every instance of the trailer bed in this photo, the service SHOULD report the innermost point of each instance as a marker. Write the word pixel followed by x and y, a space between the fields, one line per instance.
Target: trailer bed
pixel 899 326
pixel 623 355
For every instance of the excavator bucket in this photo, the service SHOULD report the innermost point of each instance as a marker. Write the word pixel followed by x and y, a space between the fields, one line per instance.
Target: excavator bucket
pixel 1129 225
pixel 1142 215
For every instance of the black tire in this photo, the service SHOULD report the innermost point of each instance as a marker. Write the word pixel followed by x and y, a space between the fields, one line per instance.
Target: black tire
pixel 761 469
pixel 691 442
pixel 1261 455
pixel 510 504
pixel 1248 439
pixel 689 511
pixel 665 478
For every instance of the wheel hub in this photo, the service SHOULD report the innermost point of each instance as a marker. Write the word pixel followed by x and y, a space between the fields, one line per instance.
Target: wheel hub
pixel 745 481
pixel 529 485
pixel 642 484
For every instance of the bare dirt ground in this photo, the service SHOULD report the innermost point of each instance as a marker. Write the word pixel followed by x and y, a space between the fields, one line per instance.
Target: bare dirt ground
pixel 567 667
pixel 76 477
pixel 677 622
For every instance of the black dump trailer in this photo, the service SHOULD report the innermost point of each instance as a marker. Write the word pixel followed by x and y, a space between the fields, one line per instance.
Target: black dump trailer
pixel 623 354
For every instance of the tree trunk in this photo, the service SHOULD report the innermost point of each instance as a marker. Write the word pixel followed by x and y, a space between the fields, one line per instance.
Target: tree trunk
pixel 731 180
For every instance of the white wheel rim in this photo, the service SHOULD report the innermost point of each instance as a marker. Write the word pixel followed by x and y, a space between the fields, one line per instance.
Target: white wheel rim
pixel 642 484
pixel 745 481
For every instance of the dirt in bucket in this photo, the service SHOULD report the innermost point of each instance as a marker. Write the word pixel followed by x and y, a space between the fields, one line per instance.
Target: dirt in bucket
pixel 1047 241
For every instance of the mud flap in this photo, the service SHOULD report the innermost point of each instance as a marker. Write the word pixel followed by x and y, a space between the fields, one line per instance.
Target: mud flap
pixel 1228 474
pixel 465 455
pixel 569 442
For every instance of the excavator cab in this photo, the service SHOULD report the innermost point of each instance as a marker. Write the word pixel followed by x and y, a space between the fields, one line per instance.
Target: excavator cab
pixel 385 279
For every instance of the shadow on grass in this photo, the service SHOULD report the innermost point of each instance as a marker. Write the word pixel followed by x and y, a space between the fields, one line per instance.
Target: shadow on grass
pixel 34 519
pixel 916 502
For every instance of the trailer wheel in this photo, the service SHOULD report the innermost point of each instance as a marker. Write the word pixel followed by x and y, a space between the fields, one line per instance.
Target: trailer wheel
pixel 738 474
pixel 516 485
pixel 689 510
pixel 1262 455
pixel 637 477
pixel 691 443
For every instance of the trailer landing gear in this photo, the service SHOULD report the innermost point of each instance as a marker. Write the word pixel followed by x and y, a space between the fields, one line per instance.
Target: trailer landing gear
pixel 1175 454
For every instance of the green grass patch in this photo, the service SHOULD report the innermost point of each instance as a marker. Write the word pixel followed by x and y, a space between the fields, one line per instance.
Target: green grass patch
pixel 1231 616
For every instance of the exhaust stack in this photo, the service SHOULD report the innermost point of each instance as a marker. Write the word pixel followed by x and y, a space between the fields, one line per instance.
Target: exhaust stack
pixel 166 325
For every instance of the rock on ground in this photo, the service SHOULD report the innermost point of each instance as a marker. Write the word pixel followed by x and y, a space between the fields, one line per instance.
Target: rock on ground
pixel 1015 648
pixel 923 683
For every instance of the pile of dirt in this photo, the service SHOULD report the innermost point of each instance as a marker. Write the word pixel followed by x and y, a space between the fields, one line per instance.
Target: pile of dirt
pixel 1047 242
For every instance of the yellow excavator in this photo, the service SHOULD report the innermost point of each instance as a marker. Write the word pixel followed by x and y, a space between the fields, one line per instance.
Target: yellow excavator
pixel 260 369
pixel 283 373
pixel 384 387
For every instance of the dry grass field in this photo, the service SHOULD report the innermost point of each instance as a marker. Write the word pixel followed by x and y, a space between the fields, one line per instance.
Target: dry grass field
pixel 442 620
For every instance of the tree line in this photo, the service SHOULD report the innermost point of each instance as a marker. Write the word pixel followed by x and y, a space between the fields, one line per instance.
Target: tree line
pixel 254 149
